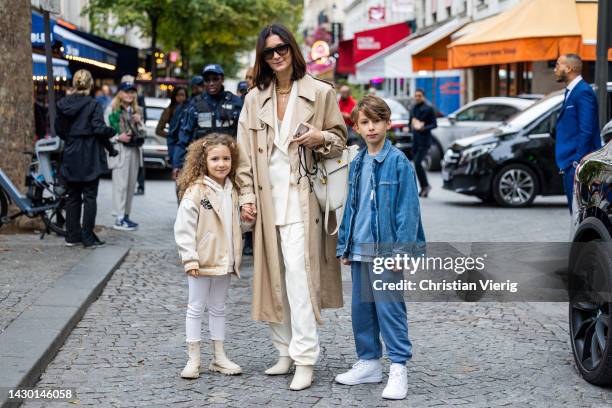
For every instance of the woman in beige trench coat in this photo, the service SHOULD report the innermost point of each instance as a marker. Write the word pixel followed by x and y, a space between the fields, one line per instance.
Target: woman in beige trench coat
pixel 296 271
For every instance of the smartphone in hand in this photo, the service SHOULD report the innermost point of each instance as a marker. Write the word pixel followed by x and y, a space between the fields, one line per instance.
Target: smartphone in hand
pixel 300 131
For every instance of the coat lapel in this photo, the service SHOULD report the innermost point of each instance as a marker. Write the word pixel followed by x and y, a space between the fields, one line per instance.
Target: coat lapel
pixel 304 106
pixel 266 115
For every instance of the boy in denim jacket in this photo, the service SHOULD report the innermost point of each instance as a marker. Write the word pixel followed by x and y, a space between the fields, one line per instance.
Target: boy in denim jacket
pixel 381 219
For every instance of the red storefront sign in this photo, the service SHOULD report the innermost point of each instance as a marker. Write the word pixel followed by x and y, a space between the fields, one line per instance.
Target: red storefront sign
pixel 368 43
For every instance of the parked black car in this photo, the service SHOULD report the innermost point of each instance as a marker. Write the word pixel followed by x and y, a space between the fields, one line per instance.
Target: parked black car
pixel 511 164
pixel 591 266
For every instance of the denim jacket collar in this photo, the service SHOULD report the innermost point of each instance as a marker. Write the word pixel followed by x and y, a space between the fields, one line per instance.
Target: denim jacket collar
pixel 380 156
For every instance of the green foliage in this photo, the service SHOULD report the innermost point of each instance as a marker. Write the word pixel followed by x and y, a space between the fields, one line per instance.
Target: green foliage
pixel 203 30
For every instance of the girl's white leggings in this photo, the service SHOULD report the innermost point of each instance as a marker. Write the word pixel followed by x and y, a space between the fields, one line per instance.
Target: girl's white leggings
pixel 209 292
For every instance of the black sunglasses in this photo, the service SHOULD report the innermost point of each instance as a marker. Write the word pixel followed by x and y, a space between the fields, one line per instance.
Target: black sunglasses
pixel 281 50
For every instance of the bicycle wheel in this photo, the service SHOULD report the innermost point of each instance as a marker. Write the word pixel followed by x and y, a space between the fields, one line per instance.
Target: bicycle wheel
pixel 56 219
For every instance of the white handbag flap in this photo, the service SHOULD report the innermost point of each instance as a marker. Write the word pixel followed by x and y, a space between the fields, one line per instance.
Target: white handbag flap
pixel 348 154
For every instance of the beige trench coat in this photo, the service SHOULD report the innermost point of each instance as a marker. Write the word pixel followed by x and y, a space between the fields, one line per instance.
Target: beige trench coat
pixel 317 105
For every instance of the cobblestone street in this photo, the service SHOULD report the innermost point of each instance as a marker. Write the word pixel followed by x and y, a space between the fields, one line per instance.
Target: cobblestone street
pixel 129 347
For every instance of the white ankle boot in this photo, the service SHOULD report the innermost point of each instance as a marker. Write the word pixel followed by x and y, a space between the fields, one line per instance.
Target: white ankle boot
pixel 282 366
pixel 192 369
pixel 302 378
pixel 220 363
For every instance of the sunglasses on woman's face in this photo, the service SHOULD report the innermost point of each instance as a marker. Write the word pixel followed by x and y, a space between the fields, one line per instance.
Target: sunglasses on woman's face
pixel 281 50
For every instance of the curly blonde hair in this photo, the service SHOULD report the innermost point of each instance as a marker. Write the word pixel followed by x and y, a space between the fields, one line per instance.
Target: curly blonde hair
pixel 197 155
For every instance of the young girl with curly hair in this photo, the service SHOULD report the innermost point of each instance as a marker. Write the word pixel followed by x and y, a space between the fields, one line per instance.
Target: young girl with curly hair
pixel 209 239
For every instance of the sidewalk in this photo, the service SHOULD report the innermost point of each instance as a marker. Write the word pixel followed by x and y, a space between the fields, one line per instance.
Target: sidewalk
pixel 45 290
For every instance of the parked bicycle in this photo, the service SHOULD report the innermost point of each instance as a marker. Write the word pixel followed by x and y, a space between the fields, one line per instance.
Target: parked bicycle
pixel 45 196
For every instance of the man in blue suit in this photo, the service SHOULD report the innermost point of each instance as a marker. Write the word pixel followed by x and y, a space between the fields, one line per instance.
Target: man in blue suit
pixel 577 124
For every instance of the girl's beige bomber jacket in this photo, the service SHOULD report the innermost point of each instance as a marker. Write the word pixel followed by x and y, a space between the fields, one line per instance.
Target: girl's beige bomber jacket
pixel 200 234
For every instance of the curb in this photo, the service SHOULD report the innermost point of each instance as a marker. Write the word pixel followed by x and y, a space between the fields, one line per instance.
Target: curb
pixel 32 340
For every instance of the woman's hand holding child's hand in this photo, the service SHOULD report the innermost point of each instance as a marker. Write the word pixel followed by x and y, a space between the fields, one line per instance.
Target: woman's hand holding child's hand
pixel 248 212
pixel 345 261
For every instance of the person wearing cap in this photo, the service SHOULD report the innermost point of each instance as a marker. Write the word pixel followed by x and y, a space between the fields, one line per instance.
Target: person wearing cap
pixel 214 111
pixel 243 89
pixel 197 86
pixel 126 117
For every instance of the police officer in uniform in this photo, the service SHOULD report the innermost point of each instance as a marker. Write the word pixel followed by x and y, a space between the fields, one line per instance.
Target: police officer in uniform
pixel 214 111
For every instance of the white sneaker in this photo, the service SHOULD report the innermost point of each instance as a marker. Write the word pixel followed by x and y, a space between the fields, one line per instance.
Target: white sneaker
pixel 397 386
pixel 363 371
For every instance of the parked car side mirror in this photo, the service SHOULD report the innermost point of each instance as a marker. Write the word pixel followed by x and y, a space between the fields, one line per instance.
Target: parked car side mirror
pixel 452 118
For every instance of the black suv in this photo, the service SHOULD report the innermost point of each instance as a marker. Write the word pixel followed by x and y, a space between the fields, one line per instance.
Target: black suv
pixel 511 164
pixel 591 265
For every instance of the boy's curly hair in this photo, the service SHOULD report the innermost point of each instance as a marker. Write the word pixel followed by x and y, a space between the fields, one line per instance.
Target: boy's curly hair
pixel 195 161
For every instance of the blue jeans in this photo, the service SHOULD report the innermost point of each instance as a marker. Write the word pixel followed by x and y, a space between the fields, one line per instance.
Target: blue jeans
pixel 568 185
pixel 374 316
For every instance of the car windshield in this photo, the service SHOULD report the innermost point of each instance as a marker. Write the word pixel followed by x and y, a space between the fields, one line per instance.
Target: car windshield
pixel 522 119
pixel 398 112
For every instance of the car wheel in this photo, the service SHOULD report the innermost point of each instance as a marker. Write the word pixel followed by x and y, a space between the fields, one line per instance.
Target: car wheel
pixel 590 312
pixel 515 185
pixel 432 162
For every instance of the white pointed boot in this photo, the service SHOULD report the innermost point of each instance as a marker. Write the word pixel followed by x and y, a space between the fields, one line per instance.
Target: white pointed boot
pixel 282 366
pixel 192 369
pixel 302 378
pixel 220 363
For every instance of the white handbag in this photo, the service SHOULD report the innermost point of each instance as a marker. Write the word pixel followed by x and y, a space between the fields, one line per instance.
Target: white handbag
pixel 330 184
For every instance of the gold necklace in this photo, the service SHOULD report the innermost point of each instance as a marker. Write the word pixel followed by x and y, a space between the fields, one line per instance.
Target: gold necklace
pixel 283 91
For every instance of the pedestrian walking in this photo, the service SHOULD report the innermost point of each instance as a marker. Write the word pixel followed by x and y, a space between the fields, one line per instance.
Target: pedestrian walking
pixel 422 120
pixel 208 235
pixel 382 218
pixel 242 89
pixel 214 111
pixel 171 117
pixel 126 118
pixel 347 103
pixel 249 78
pixel 80 123
pixel 104 96
pixel 577 131
pixel 288 230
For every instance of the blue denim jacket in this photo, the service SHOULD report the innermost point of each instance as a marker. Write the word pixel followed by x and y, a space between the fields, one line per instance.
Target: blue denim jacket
pixel 396 215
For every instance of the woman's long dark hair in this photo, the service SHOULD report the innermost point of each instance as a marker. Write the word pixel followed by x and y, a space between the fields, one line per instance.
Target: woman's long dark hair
pixel 175 92
pixel 262 73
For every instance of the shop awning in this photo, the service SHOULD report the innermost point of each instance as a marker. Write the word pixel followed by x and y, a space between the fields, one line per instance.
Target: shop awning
pixel 398 60
pixel 345 64
pixel 370 44
pixel 39 68
pixel 532 30
pixel 80 49
pixel 75 46
pixel 430 53
pixel 587 16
